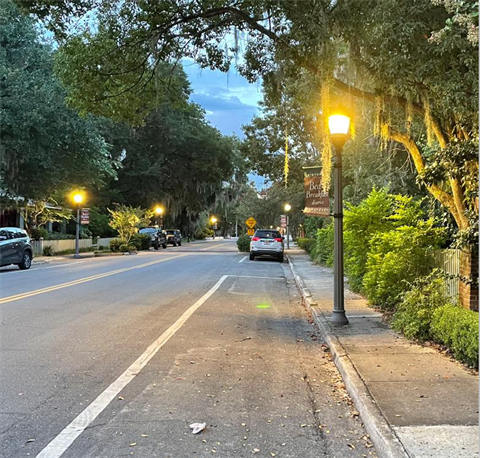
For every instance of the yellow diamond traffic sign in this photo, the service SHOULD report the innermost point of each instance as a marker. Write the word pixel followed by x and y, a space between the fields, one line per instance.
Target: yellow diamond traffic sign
pixel 250 222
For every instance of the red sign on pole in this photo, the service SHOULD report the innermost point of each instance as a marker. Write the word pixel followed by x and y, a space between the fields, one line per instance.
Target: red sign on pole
pixel 84 216
pixel 283 221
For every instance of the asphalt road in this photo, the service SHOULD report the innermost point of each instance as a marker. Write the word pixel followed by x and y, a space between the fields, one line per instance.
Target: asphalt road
pixel 112 357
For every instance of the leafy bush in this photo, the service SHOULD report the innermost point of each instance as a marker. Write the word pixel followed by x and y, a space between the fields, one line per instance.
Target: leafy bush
pixel 100 224
pixel 124 247
pixel 308 244
pixel 37 234
pixel 323 250
pixel 243 243
pixel 415 313
pixel 115 245
pixel 141 241
pixel 47 251
pixel 59 236
pixel 85 233
pixel 203 233
pixel 132 248
pixel 457 328
pixel 362 222
pixel 398 257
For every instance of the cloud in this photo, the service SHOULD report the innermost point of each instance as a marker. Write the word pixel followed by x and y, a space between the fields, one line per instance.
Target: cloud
pixel 228 99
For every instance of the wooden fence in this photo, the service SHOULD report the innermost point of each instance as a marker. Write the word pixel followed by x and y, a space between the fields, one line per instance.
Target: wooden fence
pixel 449 262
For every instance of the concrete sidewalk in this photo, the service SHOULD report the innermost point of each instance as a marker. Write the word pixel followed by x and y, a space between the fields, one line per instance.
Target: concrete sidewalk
pixel 414 401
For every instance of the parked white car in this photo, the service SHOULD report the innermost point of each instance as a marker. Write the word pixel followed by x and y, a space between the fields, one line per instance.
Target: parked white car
pixel 266 242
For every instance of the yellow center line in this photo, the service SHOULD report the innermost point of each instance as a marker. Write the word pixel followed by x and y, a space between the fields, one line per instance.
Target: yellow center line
pixel 36 292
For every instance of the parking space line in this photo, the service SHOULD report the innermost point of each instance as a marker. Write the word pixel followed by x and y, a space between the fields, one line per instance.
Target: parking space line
pixel 243 259
pixel 17 297
pixel 62 442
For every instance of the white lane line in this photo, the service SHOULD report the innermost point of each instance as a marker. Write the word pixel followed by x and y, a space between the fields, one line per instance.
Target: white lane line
pixel 243 259
pixel 257 276
pixel 58 446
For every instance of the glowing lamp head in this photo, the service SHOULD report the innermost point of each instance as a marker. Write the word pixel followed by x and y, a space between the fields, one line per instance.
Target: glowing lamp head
pixel 213 219
pixel 338 124
pixel 77 198
pixel 159 210
pixel 287 207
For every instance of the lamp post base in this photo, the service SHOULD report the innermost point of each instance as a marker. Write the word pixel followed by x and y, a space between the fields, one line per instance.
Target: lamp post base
pixel 338 318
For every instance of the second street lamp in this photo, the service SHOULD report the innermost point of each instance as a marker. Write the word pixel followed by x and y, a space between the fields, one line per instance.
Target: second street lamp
pixel 78 199
pixel 159 212
pixel 339 125
pixel 287 208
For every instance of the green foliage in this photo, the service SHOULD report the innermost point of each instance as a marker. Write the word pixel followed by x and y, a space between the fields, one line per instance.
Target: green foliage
pixel 127 220
pixel 48 251
pixel 85 233
pixel 115 245
pixel 308 244
pixel 141 241
pixel 39 233
pixel 243 243
pixel 323 252
pixel 99 224
pixel 396 258
pixel 457 328
pixel 46 147
pixel 58 236
pixel 416 310
pixel 311 224
pixel 362 222
pixel 124 247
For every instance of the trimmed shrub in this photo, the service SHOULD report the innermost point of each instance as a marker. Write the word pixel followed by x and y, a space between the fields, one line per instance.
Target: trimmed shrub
pixel 308 244
pixel 243 243
pixel 323 251
pixel 115 245
pixel 457 328
pixel 141 241
pixel 37 234
pixel 415 313
pixel 47 251
pixel 59 236
pixel 124 248
pixel 131 248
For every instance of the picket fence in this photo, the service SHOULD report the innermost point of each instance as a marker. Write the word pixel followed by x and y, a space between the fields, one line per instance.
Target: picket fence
pixel 449 262
pixel 63 245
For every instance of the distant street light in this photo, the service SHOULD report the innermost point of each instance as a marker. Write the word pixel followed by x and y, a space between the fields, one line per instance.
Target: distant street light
pixel 159 211
pixel 339 126
pixel 213 221
pixel 287 208
pixel 78 198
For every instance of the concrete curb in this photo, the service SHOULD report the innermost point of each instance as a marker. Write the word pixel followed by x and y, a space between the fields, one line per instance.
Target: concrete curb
pixel 387 443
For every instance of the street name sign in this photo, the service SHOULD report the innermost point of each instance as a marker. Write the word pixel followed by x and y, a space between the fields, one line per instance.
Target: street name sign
pixel 251 222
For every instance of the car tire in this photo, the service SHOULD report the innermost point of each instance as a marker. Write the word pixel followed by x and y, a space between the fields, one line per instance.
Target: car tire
pixel 26 261
pixel 164 246
pixel 252 257
pixel 156 246
pixel 179 243
pixel 280 257
pixel 174 243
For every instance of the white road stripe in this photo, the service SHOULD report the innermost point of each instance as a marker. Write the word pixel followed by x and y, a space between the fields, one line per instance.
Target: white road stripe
pixel 243 259
pixel 62 442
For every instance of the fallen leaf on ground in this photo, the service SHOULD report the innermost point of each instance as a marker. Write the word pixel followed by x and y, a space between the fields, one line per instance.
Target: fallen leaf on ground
pixel 197 427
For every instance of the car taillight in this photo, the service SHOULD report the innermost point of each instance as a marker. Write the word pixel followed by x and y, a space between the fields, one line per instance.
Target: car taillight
pixel 255 239
pixel 279 240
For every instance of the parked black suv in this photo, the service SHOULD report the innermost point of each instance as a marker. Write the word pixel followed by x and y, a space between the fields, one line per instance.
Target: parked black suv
pixel 174 237
pixel 159 237
pixel 15 247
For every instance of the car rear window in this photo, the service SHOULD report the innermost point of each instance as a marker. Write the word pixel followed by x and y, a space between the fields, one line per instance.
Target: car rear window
pixel 170 232
pixel 147 230
pixel 268 234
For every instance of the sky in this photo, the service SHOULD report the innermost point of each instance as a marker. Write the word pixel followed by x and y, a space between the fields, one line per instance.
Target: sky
pixel 228 99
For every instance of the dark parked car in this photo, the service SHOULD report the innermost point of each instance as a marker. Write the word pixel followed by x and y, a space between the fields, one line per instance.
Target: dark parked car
pixel 174 237
pixel 15 247
pixel 159 237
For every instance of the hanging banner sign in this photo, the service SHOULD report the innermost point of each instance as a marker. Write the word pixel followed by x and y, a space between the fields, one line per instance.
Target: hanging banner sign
pixel 85 216
pixel 317 202
pixel 283 221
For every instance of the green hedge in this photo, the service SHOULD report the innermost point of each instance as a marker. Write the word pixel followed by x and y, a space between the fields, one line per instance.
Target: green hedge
pixel 457 328
pixel 426 313
pixel 308 244
pixel 243 243
pixel 323 252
